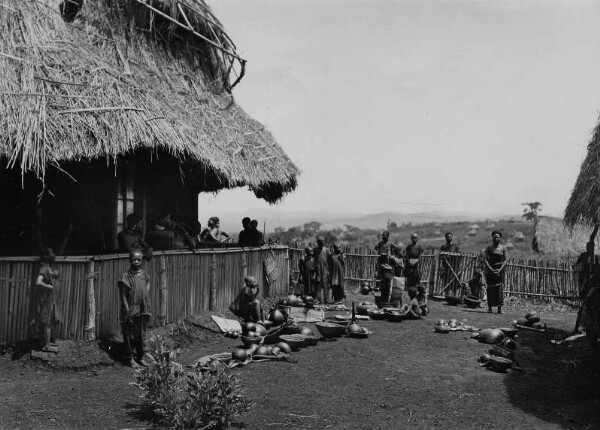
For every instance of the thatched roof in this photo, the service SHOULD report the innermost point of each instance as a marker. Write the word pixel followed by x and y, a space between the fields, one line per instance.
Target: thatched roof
pixel 555 239
pixel 584 205
pixel 123 77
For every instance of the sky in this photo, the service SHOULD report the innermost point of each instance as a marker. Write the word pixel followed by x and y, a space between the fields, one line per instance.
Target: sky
pixel 405 106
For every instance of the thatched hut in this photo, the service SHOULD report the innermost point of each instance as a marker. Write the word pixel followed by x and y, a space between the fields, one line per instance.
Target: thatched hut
pixel 583 210
pixel 554 239
pixel 114 106
pixel 584 204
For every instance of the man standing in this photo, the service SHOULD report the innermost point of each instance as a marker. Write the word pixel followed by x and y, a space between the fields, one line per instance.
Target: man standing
pixel 413 254
pixel 449 246
pixel 244 236
pixel 385 249
pixel 321 255
pixel 413 272
pixel 448 268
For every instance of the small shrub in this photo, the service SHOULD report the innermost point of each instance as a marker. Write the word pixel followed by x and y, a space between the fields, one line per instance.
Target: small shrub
pixel 190 398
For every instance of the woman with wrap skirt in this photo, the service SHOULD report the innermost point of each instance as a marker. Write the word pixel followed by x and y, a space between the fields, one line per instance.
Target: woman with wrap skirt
pixel 495 257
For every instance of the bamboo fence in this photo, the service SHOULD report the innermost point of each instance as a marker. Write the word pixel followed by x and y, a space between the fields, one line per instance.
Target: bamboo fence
pixel 444 273
pixel 185 283
pixel 182 284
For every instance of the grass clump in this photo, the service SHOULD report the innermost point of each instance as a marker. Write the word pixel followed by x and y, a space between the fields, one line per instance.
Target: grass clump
pixel 190 398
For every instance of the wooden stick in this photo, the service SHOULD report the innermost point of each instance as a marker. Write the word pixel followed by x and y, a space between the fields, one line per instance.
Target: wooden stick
pixel 206 39
pixel 90 327
pixel 12 57
pixel 99 109
pixel 213 282
pixel 8 93
pixel 162 292
pixel 59 82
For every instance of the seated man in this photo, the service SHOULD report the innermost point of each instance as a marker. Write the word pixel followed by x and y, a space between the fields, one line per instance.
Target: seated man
pixel 247 305
pixel 412 310
pixel 160 238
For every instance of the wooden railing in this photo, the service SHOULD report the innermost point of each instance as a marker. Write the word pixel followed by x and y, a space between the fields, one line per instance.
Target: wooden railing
pixel 182 284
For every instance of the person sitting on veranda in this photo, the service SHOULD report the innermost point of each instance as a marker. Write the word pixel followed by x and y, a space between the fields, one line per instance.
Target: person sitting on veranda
pixel 244 236
pixel 195 231
pixel 246 305
pixel 161 238
pixel 412 310
pixel 130 238
pixel 213 233
pixel 255 237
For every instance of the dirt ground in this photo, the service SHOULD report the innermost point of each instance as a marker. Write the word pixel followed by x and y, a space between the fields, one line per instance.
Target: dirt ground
pixel 404 375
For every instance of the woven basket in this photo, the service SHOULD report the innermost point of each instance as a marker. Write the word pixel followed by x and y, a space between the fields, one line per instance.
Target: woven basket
pixel 472 302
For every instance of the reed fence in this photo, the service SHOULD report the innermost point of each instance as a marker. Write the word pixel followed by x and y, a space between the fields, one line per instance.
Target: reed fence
pixel 444 273
pixel 182 284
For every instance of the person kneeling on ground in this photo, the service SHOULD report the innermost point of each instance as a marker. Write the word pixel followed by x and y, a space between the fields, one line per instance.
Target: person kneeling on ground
pixel 476 286
pixel 134 289
pixel 246 305
pixel 412 310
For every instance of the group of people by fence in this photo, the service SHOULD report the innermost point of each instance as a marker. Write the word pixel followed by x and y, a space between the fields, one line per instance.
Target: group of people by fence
pixel 165 234
pixel 321 272
pixel 486 284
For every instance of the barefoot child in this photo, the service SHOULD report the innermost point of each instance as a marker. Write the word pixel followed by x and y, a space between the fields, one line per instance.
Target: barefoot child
pixel 412 310
pixel 48 311
pixel 134 288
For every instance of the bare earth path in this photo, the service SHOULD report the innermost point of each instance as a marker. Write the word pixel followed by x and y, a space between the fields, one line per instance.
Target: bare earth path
pixel 405 375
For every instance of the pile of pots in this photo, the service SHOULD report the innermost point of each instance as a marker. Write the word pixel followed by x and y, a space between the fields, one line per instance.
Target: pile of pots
pixel 501 356
pixel 531 319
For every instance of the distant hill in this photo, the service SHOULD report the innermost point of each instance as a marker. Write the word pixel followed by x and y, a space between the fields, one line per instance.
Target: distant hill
pixel 231 221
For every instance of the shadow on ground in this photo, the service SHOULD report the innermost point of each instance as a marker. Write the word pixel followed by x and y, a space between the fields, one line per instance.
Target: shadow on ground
pixel 559 383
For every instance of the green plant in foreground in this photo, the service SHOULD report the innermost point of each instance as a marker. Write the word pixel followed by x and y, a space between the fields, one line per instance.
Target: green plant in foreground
pixel 190 398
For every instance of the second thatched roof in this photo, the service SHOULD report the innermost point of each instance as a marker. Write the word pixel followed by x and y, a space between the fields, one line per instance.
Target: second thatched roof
pixel 584 204
pixel 121 78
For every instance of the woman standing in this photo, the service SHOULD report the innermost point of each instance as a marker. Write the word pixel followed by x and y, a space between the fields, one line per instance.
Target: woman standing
pixel 495 258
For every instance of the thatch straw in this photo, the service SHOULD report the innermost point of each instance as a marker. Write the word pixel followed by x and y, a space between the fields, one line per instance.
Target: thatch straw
pixel 555 239
pixel 584 205
pixel 120 79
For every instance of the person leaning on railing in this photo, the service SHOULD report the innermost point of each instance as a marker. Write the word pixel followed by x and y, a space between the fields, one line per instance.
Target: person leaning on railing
pixel 213 235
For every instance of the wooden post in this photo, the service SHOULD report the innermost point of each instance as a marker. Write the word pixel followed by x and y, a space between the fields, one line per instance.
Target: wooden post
pixel 432 291
pixel 162 292
pixel 244 265
pixel 90 327
pixel 213 283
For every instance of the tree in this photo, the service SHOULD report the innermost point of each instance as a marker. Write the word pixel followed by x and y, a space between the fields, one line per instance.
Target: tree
pixel 531 211
pixel 311 228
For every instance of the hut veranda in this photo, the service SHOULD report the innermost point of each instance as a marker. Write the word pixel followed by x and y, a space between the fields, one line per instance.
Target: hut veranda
pixel 109 107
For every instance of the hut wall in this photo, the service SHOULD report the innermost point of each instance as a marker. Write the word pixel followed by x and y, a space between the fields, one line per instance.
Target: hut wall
pixel 80 209
pixel 191 280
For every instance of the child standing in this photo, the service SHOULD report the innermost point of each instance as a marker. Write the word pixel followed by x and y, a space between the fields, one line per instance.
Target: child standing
pixel 48 312
pixel 134 289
